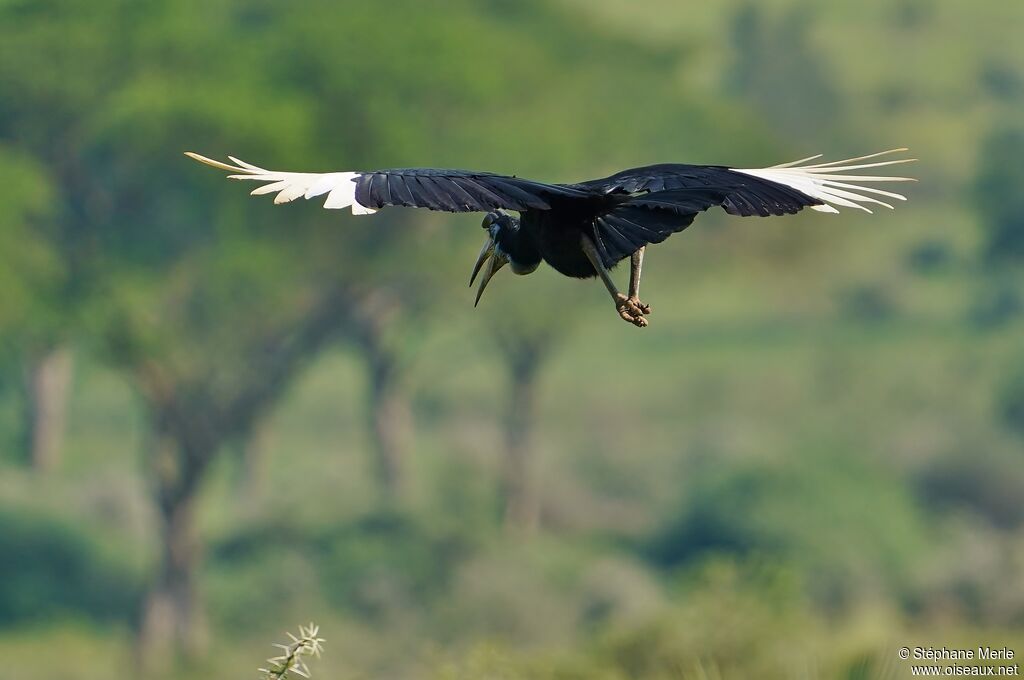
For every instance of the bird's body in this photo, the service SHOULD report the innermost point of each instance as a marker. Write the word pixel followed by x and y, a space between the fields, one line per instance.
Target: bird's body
pixel 557 237
pixel 583 230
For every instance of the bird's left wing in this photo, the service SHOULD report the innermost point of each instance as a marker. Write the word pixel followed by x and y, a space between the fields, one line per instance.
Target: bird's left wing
pixel 365 192
pixel 778 190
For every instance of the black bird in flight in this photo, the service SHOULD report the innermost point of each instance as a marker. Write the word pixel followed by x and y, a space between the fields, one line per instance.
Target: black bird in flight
pixel 585 229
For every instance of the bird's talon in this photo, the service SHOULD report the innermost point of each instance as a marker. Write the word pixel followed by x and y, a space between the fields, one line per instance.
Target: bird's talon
pixel 632 310
pixel 645 309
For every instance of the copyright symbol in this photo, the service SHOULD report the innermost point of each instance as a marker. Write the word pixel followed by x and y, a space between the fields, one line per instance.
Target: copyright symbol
pixel 904 653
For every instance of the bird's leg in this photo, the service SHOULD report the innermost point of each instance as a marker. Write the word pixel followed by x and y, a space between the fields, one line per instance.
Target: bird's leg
pixel 636 264
pixel 629 311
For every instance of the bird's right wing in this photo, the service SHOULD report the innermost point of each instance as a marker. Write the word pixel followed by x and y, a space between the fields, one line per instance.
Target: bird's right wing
pixel 659 200
pixel 778 190
pixel 366 192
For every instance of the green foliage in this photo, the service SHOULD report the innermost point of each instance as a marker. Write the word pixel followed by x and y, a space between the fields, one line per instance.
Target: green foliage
pixel 808 513
pixel 386 564
pixel 988 483
pixel 931 256
pixel 781 72
pixel 998 197
pixel 52 570
pixel 374 567
pixel 870 302
pixel 998 303
pixel 1010 402
pixel 29 273
pixel 735 618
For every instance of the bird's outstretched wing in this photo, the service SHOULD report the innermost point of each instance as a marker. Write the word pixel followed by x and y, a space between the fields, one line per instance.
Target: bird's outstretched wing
pixel 365 192
pixel 661 200
pixel 778 190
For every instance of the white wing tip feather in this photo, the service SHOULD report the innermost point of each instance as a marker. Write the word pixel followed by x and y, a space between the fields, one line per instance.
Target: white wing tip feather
pixel 827 183
pixel 340 187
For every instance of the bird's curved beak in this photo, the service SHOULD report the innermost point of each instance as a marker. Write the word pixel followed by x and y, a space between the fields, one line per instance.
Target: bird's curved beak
pixel 494 260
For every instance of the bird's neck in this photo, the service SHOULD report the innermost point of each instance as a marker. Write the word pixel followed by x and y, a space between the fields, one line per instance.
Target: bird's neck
pixel 520 245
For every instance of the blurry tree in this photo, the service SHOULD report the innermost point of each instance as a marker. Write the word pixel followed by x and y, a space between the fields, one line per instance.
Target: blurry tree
pixel 32 333
pixel 377 327
pixel 760 509
pixel 388 411
pixel 213 325
pixel 987 483
pixel 252 453
pixel 55 565
pixel 47 385
pixel 524 355
pixel 1010 403
pixel 211 303
pixel 997 195
pixel 202 391
pixel 929 256
pixel 1002 81
pixel 779 70
pixel 911 15
pixel 527 332
pixel 209 314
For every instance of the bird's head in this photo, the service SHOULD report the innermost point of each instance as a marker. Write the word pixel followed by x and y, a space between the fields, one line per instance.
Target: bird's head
pixel 505 244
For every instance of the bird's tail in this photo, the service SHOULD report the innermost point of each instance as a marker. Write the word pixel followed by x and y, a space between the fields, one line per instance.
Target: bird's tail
pixel 827 183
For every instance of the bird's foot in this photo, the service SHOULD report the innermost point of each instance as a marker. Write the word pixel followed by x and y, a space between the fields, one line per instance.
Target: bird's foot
pixel 631 309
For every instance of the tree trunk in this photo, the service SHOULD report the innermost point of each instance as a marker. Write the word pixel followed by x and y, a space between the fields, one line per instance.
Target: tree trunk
pixel 48 380
pixel 254 462
pixel 191 424
pixel 172 622
pixel 389 422
pixel 522 509
pixel 387 408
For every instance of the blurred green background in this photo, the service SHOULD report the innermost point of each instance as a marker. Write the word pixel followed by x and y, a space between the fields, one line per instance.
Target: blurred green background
pixel 220 418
